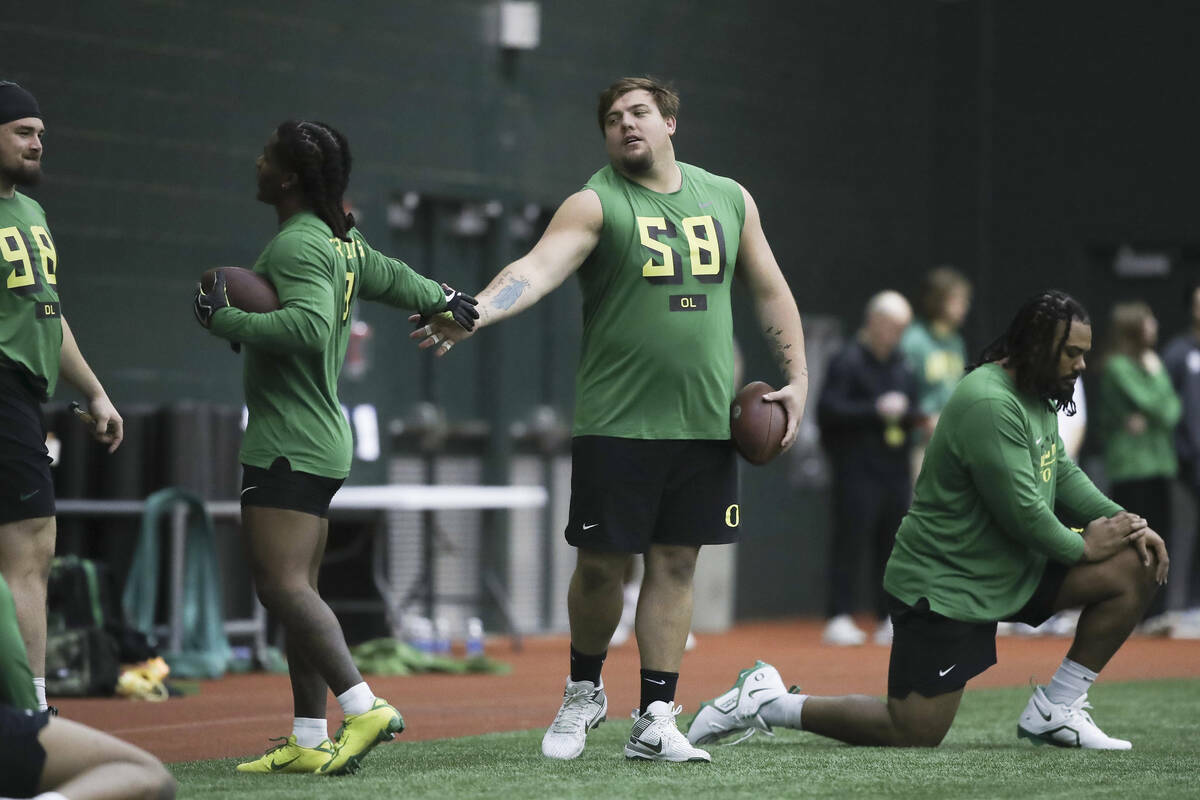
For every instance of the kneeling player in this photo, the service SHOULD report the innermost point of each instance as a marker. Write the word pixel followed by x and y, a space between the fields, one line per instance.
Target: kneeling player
pixel 980 544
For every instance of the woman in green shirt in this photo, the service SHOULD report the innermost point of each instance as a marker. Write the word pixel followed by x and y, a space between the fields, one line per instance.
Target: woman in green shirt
pixel 1138 410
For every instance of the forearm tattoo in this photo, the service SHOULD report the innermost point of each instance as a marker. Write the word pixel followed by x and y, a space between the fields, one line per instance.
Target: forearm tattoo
pixel 781 350
pixel 512 291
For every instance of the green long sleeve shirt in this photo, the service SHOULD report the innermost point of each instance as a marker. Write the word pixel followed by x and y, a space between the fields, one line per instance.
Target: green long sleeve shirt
pixel 983 520
pixel 293 356
pixel 1126 388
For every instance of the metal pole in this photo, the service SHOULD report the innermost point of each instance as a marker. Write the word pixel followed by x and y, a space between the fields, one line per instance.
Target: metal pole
pixel 179 513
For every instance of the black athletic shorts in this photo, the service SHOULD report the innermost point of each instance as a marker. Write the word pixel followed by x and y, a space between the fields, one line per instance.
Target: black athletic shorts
pixel 627 494
pixel 26 488
pixel 22 756
pixel 933 655
pixel 282 487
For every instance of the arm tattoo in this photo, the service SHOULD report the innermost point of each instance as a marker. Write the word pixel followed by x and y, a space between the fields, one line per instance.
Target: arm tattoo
pixel 775 341
pixel 507 296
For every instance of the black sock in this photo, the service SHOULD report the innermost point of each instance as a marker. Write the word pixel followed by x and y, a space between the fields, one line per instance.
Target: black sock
pixel 585 667
pixel 657 686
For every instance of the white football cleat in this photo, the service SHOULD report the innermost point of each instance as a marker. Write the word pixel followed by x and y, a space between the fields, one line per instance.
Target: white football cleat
pixel 584 706
pixel 1063 725
pixel 736 711
pixel 655 737
pixel 842 631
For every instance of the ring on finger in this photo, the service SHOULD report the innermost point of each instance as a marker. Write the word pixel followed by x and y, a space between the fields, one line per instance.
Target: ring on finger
pixel 436 339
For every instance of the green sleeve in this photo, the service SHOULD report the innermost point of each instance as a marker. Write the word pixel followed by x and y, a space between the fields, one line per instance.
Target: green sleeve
pixel 16 679
pixel 996 451
pixel 1077 495
pixel 1151 395
pixel 390 281
pixel 304 278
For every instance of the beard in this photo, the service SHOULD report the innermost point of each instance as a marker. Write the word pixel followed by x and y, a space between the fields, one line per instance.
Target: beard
pixel 27 173
pixel 637 165
pixel 1063 392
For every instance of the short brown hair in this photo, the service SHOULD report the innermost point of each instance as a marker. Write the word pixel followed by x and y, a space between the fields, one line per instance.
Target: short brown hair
pixel 664 96
pixel 939 283
pixel 1129 327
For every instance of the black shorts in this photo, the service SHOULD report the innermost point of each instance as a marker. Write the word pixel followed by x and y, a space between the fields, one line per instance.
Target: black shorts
pixel 933 655
pixel 26 488
pixel 282 487
pixel 627 494
pixel 22 756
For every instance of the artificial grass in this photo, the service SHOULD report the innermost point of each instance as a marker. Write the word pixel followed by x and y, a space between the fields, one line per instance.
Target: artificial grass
pixel 981 758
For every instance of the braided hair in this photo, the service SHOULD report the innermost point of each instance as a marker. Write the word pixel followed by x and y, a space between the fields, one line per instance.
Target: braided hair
pixel 320 157
pixel 1032 345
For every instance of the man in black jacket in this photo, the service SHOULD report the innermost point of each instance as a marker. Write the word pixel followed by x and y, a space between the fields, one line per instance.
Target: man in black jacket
pixel 866 413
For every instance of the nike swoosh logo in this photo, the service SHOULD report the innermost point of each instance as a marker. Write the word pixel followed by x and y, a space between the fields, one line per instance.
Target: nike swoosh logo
pixel 706 204
pixel 275 765
pixel 248 488
pixel 589 527
pixel 756 691
pixel 1038 441
pixel 660 683
pixel 944 672
pixel 653 748
pixel 28 495
pixel 1038 707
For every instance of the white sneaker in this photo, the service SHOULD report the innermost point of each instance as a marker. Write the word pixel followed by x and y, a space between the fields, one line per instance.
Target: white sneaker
pixel 883 634
pixel 1061 624
pixel 736 711
pixel 1063 725
pixel 584 706
pixel 655 737
pixel 842 631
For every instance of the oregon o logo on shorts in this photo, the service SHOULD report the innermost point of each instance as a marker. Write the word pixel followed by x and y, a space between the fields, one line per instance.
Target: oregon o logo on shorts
pixel 733 516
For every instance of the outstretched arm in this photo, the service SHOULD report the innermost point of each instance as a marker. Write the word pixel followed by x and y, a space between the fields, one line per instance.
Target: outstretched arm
pixel 570 237
pixel 778 315
pixel 109 427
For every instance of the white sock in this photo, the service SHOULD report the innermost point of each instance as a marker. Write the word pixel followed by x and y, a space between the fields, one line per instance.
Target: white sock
pixel 39 688
pixel 357 699
pixel 1070 682
pixel 784 711
pixel 309 732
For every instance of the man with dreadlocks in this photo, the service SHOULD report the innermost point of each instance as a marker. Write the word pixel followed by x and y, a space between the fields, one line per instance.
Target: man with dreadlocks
pixel 297 448
pixel 980 544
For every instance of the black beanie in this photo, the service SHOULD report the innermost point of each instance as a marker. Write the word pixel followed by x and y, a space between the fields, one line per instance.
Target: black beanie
pixel 16 103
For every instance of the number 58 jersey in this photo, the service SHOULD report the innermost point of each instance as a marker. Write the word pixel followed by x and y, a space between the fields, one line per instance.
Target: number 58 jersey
pixel 30 314
pixel 657 350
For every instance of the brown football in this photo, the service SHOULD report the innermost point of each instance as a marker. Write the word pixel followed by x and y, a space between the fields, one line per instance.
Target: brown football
pixel 757 426
pixel 245 288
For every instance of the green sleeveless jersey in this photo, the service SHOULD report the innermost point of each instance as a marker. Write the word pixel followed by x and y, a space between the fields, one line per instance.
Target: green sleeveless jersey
pixel 657 352
pixel 30 314
pixel 293 356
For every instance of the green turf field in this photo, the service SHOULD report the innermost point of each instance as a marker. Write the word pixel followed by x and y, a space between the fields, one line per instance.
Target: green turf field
pixel 981 758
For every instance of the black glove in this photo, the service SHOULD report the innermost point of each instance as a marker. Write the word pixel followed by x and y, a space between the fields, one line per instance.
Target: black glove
pixel 462 307
pixel 206 304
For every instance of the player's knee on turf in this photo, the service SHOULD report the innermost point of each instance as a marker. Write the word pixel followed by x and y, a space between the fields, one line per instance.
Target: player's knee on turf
pixel 166 785
pixel 924 725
